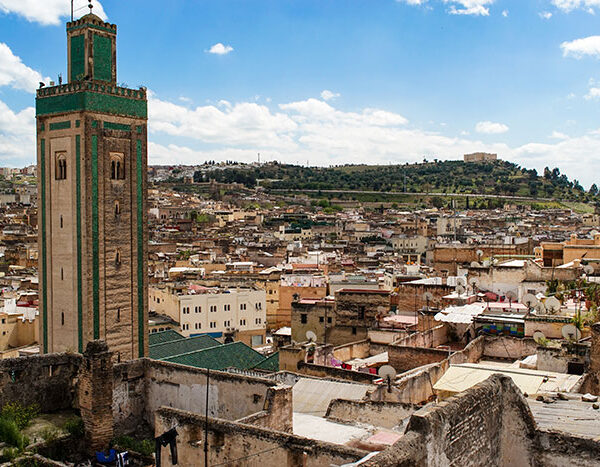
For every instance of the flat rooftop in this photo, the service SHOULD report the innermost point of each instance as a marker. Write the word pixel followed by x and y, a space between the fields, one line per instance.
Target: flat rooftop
pixel 573 417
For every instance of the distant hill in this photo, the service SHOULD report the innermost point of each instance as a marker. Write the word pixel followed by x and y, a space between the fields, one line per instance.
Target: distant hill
pixel 490 178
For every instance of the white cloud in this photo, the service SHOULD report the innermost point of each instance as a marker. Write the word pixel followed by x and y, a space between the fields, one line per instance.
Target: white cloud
pixel 491 128
pixel 328 95
pixel 413 2
pixel 17 136
pixel 49 12
pixel 545 15
pixel 220 49
pixel 14 73
pixel 570 5
pixel 558 135
pixel 505 13
pixel 593 93
pixel 581 47
pixel 469 7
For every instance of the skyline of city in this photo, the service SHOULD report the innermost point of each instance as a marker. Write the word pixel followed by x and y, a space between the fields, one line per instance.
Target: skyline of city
pixel 421 79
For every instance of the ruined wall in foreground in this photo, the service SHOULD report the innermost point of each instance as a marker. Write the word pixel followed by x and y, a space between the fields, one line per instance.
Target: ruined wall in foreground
pixel 488 425
pixel 47 380
pixel 142 386
pixel 239 444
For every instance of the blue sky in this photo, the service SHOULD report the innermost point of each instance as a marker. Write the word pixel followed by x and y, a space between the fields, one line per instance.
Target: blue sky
pixel 333 81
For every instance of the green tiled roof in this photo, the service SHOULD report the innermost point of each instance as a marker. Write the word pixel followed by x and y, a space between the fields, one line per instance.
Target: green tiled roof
pixel 270 363
pixel 234 355
pixel 164 336
pixel 181 346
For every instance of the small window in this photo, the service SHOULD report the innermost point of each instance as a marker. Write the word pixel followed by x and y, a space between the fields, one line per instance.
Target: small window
pixel 61 166
pixel 118 257
pixel 329 320
pixel 321 319
pixel 62 319
pixel 62 274
pixel 61 222
pixel 117 167
pixel 304 318
pixel 353 330
pixel 117 208
pixel 118 315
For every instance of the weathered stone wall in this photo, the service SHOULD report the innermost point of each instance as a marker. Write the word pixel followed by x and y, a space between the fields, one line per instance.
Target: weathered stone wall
pixel 407 358
pixel 430 338
pixel 360 349
pixel 511 348
pixel 231 397
pixel 240 444
pixel 322 371
pixel 489 425
pixel 382 414
pixel 129 397
pixel 410 297
pixel 46 380
pixel 416 386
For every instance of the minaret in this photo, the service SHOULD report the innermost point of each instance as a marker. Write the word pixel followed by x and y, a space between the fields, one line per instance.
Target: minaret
pixel 92 164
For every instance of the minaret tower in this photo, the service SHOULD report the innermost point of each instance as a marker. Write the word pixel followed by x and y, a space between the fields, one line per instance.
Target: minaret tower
pixel 92 164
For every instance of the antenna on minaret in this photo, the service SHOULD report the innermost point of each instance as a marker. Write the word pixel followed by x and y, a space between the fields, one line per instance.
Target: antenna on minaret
pixel 90 6
pixel 259 158
pixel 71 11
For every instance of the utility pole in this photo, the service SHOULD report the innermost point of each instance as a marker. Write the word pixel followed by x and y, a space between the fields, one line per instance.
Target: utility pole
pixel 206 421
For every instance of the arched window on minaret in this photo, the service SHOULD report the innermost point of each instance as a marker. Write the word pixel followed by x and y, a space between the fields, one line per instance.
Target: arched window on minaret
pixel 117 167
pixel 61 166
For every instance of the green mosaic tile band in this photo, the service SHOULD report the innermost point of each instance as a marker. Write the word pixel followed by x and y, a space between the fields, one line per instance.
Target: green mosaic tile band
pixel 92 101
pixel 116 126
pixel 140 247
pixel 77 57
pixel 95 240
pixel 102 58
pixel 44 309
pixel 79 262
pixel 60 125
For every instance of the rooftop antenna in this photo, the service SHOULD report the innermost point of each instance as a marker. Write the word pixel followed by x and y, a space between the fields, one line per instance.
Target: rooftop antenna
pixel 72 11
pixel 90 6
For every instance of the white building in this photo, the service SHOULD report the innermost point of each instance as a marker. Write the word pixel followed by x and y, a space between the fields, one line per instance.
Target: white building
pixel 213 311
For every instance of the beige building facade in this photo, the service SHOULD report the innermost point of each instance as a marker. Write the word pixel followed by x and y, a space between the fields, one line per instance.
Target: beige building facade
pixel 240 313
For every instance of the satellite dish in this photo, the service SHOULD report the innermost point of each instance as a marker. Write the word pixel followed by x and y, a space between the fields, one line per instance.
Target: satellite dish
pixel 475 264
pixel 552 305
pixel 427 296
pixel 460 290
pixel 479 253
pixel 387 371
pixel 487 263
pixel 311 336
pixel 461 281
pixel 588 269
pixel 511 295
pixel 540 308
pixel 538 336
pixel 570 332
pixel 530 301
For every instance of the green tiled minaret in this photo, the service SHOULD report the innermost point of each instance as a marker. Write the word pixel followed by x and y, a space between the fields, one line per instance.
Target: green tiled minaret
pixel 92 165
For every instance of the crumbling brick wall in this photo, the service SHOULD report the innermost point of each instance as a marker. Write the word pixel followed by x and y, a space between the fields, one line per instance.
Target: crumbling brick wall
pixel 488 425
pixel 240 444
pixel 46 380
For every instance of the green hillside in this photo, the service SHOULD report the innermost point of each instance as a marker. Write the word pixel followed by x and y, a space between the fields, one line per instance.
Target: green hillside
pixel 489 178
